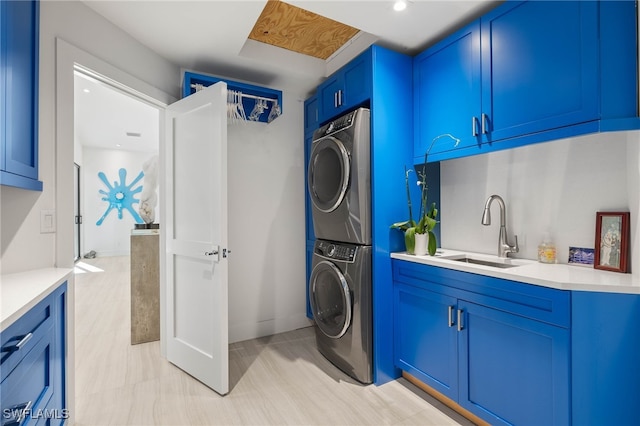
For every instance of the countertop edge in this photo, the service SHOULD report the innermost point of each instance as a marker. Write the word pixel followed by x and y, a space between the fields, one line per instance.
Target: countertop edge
pixel 22 291
pixel 556 276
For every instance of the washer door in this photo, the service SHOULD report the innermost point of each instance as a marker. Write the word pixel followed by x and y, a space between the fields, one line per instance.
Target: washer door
pixel 328 174
pixel 330 299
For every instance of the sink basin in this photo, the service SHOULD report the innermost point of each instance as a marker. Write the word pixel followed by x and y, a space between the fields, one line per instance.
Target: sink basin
pixel 486 263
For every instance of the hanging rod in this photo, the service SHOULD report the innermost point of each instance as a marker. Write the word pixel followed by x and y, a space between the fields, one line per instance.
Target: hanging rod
pixel 199 87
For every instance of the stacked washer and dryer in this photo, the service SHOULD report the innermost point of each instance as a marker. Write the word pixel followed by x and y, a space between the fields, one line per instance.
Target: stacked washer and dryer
pixel 339 184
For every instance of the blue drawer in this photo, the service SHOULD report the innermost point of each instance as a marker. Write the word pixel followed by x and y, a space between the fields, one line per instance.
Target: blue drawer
pixel 531 301
pixel 26 391
pixel 20 337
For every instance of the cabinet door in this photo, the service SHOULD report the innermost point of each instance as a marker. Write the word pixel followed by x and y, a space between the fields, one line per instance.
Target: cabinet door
pixel 311 115
pixel 328 94
pixel 20 20
pixel 539 67
pixel 447 94
pixel 346 88
pixel 513 370
pixel 425 338
pixel 357 76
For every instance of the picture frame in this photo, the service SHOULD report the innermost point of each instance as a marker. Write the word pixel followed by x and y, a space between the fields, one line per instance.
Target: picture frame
pixel 581 256
pixel 612 241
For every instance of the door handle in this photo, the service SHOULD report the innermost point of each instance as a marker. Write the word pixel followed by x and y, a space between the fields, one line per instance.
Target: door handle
pixel 340 97
pixel 485 127
pixel 474 126
pixel 211 253
pixel 460 326
pixel 335 100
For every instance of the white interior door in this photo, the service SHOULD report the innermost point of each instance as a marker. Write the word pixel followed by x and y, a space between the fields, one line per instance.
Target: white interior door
pixel 196 236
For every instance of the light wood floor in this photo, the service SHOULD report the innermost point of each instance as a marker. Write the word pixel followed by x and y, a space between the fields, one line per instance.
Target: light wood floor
pixel 276 380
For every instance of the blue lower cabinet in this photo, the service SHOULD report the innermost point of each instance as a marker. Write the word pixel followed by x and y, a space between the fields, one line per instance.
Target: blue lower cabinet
pixel 518 354
pixel 513 370
pixel 32 365
pixel 498 348
pixel 425 342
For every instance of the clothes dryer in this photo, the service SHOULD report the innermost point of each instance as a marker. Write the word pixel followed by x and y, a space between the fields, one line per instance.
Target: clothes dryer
pixel 340 298
pixel 339 179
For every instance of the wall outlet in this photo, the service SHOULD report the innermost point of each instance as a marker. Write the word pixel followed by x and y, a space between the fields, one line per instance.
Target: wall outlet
pixel 47 221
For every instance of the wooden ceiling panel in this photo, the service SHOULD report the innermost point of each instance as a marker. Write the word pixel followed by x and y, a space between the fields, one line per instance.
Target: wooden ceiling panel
pixel 299 30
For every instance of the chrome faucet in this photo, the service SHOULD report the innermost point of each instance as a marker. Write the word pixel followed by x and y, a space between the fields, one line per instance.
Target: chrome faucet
pixel 503 246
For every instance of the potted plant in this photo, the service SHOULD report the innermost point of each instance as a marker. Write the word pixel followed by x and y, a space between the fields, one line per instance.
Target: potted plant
pixel 419 238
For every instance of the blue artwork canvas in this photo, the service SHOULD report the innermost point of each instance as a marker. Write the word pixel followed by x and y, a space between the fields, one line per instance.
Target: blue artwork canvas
pixel 120 196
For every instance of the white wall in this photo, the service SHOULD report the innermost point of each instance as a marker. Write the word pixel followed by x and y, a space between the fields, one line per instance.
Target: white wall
pixel 266 225
pixel 555 186
pixel 112 237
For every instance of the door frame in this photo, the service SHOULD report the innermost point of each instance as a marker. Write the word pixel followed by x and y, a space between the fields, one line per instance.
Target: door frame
pixel 69 58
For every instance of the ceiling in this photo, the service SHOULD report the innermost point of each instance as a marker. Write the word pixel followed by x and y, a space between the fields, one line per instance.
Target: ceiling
pixel 212 36
pixel 103 116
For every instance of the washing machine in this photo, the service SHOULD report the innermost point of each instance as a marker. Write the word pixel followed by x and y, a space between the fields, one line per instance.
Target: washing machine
pixel 340 298
pixel 339 179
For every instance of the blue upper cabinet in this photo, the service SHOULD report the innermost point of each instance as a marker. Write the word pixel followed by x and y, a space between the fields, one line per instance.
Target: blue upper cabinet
pixel 311 115
pixel 447 94
pixel 539 67
pixel 527 72
pixel 19 25
pixel 346 88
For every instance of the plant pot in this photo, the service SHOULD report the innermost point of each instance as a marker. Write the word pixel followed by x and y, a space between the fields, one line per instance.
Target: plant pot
pixel 421 241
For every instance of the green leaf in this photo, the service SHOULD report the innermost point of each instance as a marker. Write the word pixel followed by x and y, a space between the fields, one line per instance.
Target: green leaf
pixel 403 226
pixel 432 245
pixel 430 223
pixel 410 240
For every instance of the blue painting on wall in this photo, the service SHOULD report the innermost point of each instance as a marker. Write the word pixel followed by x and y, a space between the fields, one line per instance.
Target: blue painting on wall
pixel 120 196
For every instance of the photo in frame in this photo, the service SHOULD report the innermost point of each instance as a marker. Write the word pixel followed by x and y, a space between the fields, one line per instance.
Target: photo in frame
pixel 612 241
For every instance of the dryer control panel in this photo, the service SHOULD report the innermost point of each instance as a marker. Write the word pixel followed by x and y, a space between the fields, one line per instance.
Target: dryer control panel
pixel 336 251
pixel 340 123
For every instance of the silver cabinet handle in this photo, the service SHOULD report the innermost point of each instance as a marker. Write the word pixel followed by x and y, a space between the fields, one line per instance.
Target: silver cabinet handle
pixel 24 340
pixel 485 127
pixel 18 345
pixel 211 253
pixel 451 323
pixel 335 99
pixel 460 326
pixel 474 126
pixel 340 98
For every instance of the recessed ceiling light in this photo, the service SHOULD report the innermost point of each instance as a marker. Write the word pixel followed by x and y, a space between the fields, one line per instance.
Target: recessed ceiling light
pixel 86 90
pixel 399 5
pixel 118 145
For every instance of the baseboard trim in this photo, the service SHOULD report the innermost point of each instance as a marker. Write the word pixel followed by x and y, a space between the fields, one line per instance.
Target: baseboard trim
pixel 445 400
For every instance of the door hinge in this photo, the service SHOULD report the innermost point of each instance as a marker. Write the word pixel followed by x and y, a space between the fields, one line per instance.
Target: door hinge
pixel 225 252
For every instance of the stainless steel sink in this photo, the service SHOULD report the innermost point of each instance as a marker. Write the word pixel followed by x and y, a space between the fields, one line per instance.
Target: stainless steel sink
pixel 486 263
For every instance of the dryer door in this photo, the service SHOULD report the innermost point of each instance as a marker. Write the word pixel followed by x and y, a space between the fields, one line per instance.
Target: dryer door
pixel 328 174
pixel 330 299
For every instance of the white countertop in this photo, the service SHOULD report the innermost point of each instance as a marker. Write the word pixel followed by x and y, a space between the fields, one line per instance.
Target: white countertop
pixel 22 291
pixel 560 276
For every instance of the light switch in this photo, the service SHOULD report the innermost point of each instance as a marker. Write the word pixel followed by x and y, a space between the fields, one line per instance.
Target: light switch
pixel 47 221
